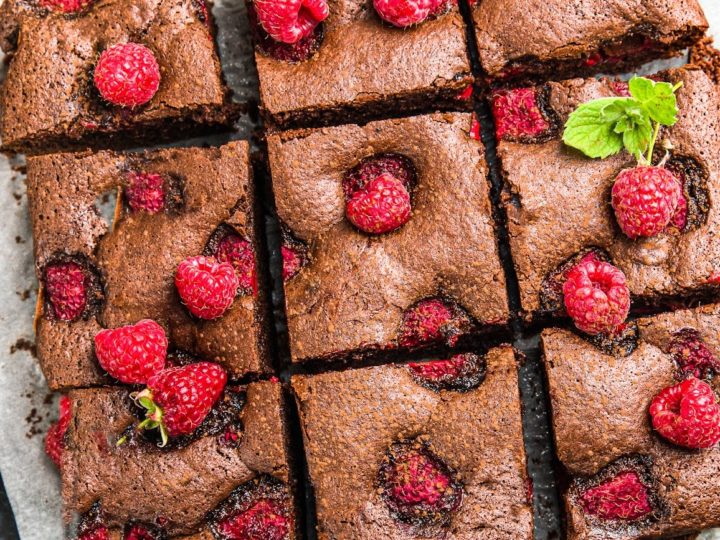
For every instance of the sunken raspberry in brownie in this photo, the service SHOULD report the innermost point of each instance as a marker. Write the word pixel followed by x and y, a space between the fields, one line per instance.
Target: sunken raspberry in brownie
pixel 124 71
pixel 638 432
pixel 357 59
pixel 423 450
pixel 394 223
pixel 175 207
pixel 229 479
pixel 554 39
pixel 559 203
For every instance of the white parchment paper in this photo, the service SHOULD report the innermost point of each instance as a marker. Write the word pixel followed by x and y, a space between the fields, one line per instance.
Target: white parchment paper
pixel 25 405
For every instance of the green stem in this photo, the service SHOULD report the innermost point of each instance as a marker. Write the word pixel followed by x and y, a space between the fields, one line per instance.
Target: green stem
pixel 651 148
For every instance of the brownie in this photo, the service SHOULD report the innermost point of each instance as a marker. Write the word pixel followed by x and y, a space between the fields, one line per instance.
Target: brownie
pixel 602 427
pixel 424 450
pixel 359 294
pixel 127 269
pixel 555 39
pixel 49 102
pixel 355 66
pixel 558 200
pixel 238 458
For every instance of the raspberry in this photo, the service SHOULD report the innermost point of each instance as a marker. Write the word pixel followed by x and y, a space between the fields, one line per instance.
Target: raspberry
pixel 369 169
pixel 404 13
pixel 687 414
pixel 382 206
pixel 680 217
pixel 475 128
pixel 265 519
pixel 620 88
pixel 98 533
pixel 66 6
pixel 518 115
pixel 431 320
pixel 140 532
pixel 132 354
pixel 207 287
pixel 55 438
pixel 145 192
pixel 66 287
pixel 416 485
pixel 692 356
pixel 239 252
pixel 293 261
pixel 645 200
pixel 285 52
pixel 466 93
pixel 462 372
pixel 289 21
pixel 623 497
pixel 127 75
pixel 596 296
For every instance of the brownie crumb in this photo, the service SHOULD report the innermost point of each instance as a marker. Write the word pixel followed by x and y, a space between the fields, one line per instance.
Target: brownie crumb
pixel 707 58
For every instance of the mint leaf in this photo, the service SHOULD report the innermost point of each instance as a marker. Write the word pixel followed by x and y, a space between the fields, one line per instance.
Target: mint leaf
pixel 657 97
pixel 591 128
pixel 635 127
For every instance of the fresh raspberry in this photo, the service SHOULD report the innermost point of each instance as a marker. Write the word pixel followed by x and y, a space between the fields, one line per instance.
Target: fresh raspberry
pixel 430 320
pixel 140 532
pixel 404 13
pixel 416 485
pixel 98 533
pixel 132 354
pixel 127 75
pixel 55 438
pixel 687 414
pixel 518 115
pixel 621 88
pixel 266 519
pixel 680 217
pixel 285 52
pixel 66 6
pixel 207 287
pixel 462 372
pixel 645 200
pixel 293 261
pixel 239 252
pixel 178 399
pixel 623 497
pixel 475 128
pixel 289 21
pixel 382 206
pixel 369 169
pixel 596 296
pixel 692 355
pixel 146 192
pixel 66 288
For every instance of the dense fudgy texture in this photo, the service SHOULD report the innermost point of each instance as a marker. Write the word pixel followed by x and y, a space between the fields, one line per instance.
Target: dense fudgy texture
pixel 558 201
pixel 179 489
pixel 351 419
pixel 49 102
pixel 543 39
pixel 600 417
pixel 365 66
pixel 135 261
pixel 352 293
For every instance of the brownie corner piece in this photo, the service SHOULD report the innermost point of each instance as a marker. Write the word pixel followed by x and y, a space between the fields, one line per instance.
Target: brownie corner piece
pixel 169 205
pixel 436 279
pixel 423 450
pixel 49 99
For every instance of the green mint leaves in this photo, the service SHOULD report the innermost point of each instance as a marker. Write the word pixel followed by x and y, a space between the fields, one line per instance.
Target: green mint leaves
pixel 605 126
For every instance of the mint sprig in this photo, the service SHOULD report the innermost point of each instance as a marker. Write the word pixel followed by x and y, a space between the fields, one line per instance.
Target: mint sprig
pixel 603 127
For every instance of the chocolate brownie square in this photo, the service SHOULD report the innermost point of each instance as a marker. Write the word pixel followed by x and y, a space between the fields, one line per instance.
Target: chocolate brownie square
pixel 558 200
pixel 555 39
pixel 233 472
pixel 437 278
pixel 356 64
pixel 424 450
pixel 171 204
pixel 628 480
pixel 49 100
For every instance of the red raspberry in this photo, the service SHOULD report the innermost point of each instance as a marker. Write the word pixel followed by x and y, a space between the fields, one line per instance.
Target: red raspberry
pixel 596 296
pixel 178 399
pixel 461 372
pixel 289 21
pixel 266 519
pixel 146 192
pixel 404 13
pixel 680 217
pixel 55 438
pixel 430 320
pixel 239 252
pixel 98 533
pixel 475 128
pixel 285 52
pixel 623 497
pixel 66 287
pixel 66 6
pixel 687 414
pixel 621 88
pixel 140 532
pixel 645 200
pixel 132 354
pixel 293 261
pixel 207 287
pixel 691 354
pixel 466 93
pixel 127 75
pixel 518 115
pixel 382 206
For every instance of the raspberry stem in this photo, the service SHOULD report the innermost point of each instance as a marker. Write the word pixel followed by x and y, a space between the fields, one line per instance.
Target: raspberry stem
pixel 153 416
